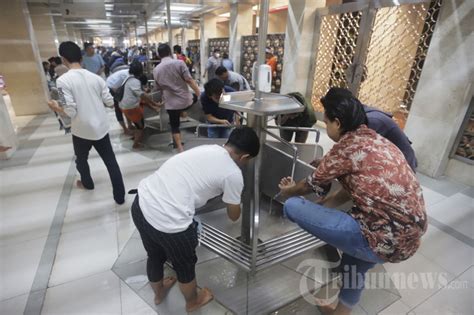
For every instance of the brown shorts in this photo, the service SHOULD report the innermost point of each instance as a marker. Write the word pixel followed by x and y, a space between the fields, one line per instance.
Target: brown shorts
pixel 134 114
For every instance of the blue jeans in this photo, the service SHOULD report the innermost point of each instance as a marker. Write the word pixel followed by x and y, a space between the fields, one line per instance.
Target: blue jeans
pixel 342 231
pixel 218 132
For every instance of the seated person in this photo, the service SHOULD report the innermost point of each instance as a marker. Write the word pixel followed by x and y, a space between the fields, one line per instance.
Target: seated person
pixel 214 114
pixel 164 209
pixel 388 217
pixel 134 97
pixel 232 79
pixel 303 119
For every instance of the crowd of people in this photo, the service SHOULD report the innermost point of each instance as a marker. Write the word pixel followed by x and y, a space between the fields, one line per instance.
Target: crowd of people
pixel 372 159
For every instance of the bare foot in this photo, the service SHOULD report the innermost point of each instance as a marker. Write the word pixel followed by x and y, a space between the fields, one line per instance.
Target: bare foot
pixel 204 297
pixel 168 282
pixel 79 184
pixel 128 132
pixel 326 309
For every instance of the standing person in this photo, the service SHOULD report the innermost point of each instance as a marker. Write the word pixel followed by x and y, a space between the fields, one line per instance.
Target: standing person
pixel 226 62
pixel 114 81
pixel 212 64
pixel 271 60
pixel 164 208
pixel 232 79
pixel 92 61
pixel 85 95
pixel 133 98
pixel 388 217
pixel 304 119
pixel 213 90
pixel 196 60
pixel 173 78
pixel 178 53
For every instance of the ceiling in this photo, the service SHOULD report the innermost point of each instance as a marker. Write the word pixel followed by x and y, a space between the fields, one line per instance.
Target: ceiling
pixel 115 18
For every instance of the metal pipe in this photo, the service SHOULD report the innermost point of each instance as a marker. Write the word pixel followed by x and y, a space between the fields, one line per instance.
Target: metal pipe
pixel 168 20
pixel 291 146
pixel 262 39
pixel 309 129
pixel 147 50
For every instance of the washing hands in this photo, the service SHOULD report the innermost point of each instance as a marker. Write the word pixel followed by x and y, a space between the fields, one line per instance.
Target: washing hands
pixel 287 185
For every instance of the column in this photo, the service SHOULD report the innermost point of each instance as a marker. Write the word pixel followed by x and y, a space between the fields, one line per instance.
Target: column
pixel 299 45
pixel 44 30
pixel 20 62
pixel 61 30
pixel 240 24
pixel 208 30
pixel 443 94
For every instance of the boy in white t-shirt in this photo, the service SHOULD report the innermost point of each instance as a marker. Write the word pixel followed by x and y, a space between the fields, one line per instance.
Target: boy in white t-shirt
pixel 85 95
pixel 164 208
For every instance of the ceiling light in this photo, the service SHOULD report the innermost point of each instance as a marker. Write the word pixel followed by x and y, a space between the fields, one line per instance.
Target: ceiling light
pixel 226 15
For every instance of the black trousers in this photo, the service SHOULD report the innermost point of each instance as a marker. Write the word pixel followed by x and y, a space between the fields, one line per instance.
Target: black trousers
pixel 104 148
pixel 300 136
pixel 118 112
pixel 179 248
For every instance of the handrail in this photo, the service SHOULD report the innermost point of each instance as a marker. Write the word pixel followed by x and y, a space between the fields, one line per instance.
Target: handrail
pixel 196 133
pixel 309 129
pixel 288 144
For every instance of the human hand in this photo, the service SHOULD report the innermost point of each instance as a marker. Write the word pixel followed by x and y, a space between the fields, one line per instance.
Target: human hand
pixel 54 105
pixel 225 122
pixel 286 185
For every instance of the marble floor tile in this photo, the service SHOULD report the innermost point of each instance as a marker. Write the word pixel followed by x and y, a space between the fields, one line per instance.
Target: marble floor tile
pixel 443 185
pixel 132 304
pixel 85 252
pixel 397 308
pixel 18 265
pixel 456 298
pixel 457 212
pixel 417 278
pixel 97 294
pixel 14 306
pixel 446 251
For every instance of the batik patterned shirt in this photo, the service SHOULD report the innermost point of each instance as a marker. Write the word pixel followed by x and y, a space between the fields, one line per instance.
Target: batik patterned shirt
pixel 389 205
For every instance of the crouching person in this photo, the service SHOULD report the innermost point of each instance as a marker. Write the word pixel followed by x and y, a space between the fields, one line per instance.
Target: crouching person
pixel 164 208
pixel 388 217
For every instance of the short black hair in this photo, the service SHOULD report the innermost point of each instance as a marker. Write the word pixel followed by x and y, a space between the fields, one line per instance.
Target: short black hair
pixel 221 70
pixel 87 45
pixel 58 60
pixel 340 103
pixel 213 87
pixel 245 140
pixel 177 49
pixel 136 69
pixel 164 50
pixel 70 51
pixel 225 55
pixel 143 79
pixel 217 50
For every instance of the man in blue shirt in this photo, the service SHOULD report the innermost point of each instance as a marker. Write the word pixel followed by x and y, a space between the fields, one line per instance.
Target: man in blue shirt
pixel 214 114
pixel 385 126
pixel 92 61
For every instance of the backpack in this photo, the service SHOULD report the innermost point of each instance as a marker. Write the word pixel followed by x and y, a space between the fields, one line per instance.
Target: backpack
pixel 121 90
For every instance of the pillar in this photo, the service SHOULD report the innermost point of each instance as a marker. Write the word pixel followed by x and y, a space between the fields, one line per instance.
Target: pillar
pixel 299 34
pixel 44 30
pixel 208 30
pixel 443 94
pixel 240 24
pixel 20 62
pixel 61 30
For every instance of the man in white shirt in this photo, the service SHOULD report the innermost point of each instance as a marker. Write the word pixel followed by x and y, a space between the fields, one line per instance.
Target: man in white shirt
pixel 114 81
pixel 85 94
pixel 164 208
pixel 232 79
